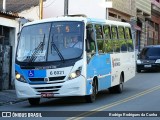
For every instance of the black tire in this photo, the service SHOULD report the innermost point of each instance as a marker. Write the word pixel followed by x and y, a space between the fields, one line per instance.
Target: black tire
pixel 34 101
pixel 91 98
pixel 138 70
pixel 118 88
pixel 111 89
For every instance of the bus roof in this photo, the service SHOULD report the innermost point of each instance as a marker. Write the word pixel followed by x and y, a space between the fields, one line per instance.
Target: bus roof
pixel 85 19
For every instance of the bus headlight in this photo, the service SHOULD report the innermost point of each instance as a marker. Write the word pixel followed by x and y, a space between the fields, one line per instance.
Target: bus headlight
pixel 75 74
pixel 139 62
pixel 20 77
pixel 157 61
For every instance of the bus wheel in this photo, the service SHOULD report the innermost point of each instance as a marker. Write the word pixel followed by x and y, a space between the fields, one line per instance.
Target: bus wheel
pixel 34 101
pixel 91 98
pixel 118 88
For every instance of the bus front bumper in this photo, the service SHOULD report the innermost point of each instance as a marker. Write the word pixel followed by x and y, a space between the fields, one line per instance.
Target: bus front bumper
pixel 75 87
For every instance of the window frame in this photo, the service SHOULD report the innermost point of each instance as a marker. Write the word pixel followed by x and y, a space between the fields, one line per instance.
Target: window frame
pixel 115 48
pixel 107 40
pixel 122 39
pixel 129 39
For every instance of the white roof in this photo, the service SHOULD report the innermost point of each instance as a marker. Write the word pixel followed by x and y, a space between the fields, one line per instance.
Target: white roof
pixel 91 20
pixel 57 19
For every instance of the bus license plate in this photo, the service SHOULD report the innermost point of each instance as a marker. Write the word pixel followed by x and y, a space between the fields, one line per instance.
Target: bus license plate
pixel 47 95
pixel 147 66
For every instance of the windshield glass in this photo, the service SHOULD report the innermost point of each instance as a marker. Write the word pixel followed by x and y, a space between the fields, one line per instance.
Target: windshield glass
pixel 57 41
pixel 147 52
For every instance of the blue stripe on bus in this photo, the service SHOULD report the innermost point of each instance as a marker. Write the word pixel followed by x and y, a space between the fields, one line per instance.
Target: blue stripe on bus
pixel 99 66
pixel 89 87
pixel 20 71
pixel 37 74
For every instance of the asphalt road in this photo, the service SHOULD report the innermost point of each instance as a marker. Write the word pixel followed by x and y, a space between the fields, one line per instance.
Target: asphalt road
pixel 141 96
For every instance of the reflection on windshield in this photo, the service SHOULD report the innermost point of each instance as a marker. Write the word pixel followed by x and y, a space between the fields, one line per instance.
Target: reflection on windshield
pixel 60 41
pixel 38 50
pixel 147 52
pixel 57 50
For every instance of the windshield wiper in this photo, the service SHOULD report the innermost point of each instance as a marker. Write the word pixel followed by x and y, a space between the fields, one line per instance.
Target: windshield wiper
pixel 37 49
pixel 57 50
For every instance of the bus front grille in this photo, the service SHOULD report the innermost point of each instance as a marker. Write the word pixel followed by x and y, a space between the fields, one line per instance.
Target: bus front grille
pixel 47 89
pixel 51 79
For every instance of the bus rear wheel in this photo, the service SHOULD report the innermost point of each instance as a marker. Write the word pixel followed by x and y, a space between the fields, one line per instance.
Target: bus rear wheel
pixel 34 101
pixel 91 98
pixel 118 88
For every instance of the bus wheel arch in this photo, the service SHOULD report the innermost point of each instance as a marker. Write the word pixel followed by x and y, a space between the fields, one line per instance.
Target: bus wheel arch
pixel 96 80
pixel 118 88
pixel 121 82
pixel 122 74
pixel 91 98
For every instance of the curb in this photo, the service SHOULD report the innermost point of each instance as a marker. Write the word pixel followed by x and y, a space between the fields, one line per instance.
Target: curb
pixel 12 102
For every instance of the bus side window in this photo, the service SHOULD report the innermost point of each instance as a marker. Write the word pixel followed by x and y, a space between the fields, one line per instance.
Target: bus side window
pixel 123 42
pixel 99 33
pixel 116 45
pixel 90 42
pixel 108 41
pixel 129 39
pixel 99 37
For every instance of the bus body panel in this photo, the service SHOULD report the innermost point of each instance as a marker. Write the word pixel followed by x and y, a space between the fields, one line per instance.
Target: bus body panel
pixel 100 67
pixel 122 62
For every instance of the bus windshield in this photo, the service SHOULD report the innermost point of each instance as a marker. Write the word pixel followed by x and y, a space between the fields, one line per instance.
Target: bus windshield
pixel 54 41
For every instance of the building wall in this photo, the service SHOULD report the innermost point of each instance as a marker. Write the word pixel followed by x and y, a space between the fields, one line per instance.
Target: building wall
pixel 144 6
pixel 14 29
pixel 154 31
pixel 13 24
pixel 31 14
pixel 156 21
pixel 53 9
pixel 91 8
pixel 128 9
pixel 143 12
pixel 119 13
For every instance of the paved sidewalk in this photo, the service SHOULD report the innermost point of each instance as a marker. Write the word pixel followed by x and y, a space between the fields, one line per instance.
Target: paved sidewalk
pixel 8 97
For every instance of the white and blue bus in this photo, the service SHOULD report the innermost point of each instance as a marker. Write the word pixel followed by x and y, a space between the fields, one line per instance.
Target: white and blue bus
pixel 50 63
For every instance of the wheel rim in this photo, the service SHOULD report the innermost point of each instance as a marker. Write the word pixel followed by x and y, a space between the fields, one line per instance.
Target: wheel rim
pixel 121 86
